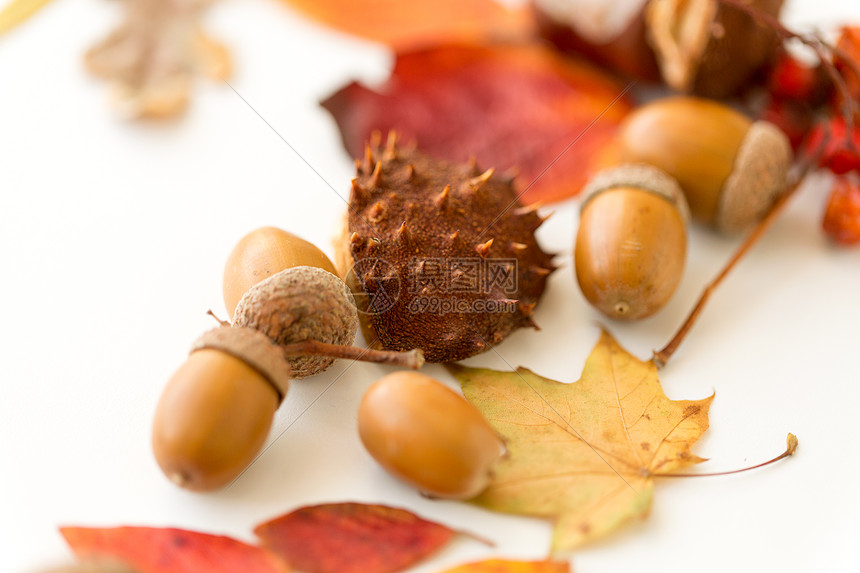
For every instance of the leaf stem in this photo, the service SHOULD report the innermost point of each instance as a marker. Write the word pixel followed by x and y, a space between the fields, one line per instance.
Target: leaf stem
pixel 661 357
pixel 791 447
pixel 413 359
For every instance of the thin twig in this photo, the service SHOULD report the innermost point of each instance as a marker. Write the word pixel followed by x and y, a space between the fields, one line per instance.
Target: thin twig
pixel 660 358
pixel 413 359
pixel 222 323
pixel 824 51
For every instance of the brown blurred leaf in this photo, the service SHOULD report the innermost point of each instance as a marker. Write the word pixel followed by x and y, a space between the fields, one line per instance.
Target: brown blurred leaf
pixel 419 23
pixel 168 550
pixel 352 538
pixel 584 454
pixel 514 106
pixel 151 60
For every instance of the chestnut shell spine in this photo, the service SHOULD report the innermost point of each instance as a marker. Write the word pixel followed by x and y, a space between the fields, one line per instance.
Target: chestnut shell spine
pixel 409 214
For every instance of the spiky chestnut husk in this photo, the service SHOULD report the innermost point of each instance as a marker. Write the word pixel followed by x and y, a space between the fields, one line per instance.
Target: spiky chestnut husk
pixel 409 212
pixel 299 304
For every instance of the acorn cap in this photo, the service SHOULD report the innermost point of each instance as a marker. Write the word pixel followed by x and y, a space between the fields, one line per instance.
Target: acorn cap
pixel 638 176
pixel 254 349
pixel 758 178
pixel 299 304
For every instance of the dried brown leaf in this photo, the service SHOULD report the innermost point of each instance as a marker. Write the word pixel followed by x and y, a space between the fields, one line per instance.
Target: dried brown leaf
pixel 152 59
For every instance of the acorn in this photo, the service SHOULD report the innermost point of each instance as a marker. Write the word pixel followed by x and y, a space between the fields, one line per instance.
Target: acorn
pixel 427 435
pixel 710 48
pixel 730 168
pixel 301 304
pixel 216 411
pixel 265 252
pixel 631 244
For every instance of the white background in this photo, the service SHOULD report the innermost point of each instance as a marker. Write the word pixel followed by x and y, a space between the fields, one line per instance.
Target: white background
pixel 112 240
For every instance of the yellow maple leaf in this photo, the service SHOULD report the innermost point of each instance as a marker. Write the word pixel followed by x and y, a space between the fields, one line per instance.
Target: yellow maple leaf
pixel 17 11
pixel 584 454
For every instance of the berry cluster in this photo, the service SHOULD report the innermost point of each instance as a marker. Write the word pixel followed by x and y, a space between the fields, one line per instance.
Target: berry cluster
pixel 819 109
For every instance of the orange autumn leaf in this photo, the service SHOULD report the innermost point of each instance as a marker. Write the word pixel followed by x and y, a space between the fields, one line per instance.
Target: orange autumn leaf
pixel 503 566
pixel 521 107
pixel 352 538
pixel 419 23
pixel 168 550
pixel 584 454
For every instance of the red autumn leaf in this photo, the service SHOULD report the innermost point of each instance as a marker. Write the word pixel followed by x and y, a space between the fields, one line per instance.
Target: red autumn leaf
pixel 503 566
pixel 168 550
pixel 419 23
pixel 842 217
pixel 352 538
pixel 523 107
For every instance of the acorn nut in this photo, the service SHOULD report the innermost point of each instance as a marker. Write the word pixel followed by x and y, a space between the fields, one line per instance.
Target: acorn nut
pixel 631 244
pixel 427 435
pixel 265 252
pixel 730 168
pixel 216 411
pixel 300 304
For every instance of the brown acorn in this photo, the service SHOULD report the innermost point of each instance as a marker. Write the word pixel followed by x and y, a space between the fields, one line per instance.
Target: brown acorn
pixel 441 256
pixel 216 411
pixel 631 245
pixel 730 168
pixel 262 253
pixel 427 435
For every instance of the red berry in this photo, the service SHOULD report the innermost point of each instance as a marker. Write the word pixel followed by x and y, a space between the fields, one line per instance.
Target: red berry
pixel 794 118
pixel 792 80
pixel 841 152
pixel 842 217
